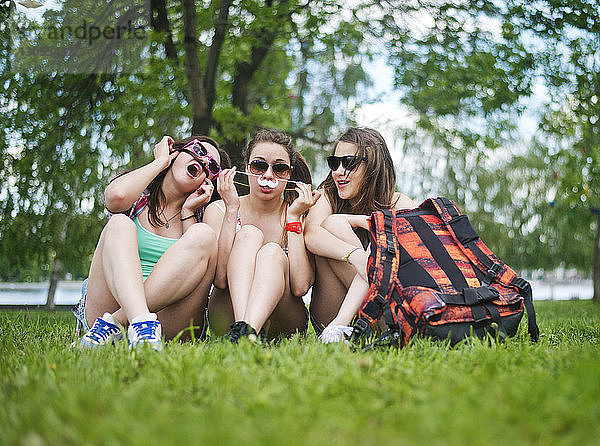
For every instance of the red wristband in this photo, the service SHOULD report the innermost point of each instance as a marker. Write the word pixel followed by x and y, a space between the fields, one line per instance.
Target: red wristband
pixel 294 226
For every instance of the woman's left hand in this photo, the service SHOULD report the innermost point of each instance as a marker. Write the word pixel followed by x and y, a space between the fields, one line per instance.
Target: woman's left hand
pixel 199 197
pixel 307 197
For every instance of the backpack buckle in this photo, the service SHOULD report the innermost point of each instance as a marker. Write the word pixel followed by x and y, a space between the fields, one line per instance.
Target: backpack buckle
pixel 491 274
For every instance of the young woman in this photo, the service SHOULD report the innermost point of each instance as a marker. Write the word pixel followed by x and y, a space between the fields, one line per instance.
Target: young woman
pixel 155 262
pixel 362 179
pixel 263 268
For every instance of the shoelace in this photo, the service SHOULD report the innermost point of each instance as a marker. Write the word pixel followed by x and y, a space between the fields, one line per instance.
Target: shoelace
pixel 145 330
pixel 100 331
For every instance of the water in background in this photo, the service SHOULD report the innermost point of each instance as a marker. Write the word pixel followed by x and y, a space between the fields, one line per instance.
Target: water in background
pixel 68 293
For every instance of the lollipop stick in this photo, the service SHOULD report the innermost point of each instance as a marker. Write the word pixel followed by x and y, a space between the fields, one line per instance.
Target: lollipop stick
pixel 258 176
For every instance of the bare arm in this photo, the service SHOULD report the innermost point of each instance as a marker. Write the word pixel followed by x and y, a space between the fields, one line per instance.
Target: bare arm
pixel 224 224
pixel 319 240
pixel 302 274
pixel 123 191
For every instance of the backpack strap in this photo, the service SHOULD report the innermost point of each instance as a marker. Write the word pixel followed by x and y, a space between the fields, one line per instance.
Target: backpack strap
pixel 477 252
pixel 382 272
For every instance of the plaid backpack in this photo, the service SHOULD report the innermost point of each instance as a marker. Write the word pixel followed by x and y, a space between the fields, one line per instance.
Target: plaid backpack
pixel 431 275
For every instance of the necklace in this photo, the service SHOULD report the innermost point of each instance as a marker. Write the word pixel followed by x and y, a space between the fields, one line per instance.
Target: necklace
pixel 169 219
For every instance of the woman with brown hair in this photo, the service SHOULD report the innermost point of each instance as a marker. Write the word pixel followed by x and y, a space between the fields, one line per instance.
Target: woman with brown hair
pixel 154 263
pixel 362 180
pixel 263 268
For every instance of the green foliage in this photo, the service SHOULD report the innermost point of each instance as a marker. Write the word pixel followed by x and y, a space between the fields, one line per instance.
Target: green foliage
pixel 468 74
pixel 302 392
pixel 65 134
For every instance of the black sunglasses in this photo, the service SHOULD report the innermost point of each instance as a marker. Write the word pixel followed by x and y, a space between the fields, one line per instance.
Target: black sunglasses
pixel 196 149
pixel 281 170
pixel 349 162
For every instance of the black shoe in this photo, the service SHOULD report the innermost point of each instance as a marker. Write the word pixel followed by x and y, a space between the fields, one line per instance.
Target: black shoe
pixel 240 329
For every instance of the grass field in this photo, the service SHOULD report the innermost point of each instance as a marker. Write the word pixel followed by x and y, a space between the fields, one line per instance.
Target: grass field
pixel 300 392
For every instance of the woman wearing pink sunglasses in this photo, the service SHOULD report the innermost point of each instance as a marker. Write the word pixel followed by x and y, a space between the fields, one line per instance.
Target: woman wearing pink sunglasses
pixel 155 261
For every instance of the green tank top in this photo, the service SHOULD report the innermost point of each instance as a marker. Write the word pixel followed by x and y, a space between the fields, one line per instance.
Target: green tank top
pixel 151 247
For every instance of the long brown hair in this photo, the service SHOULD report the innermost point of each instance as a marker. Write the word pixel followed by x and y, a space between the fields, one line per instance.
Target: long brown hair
pixel 300 169
pixel 156 200
pixel 379 183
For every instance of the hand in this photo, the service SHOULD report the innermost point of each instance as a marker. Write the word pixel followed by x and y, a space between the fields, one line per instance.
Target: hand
pixel 198 198
pixel 227 190
pixel 162 151
pixel 307 197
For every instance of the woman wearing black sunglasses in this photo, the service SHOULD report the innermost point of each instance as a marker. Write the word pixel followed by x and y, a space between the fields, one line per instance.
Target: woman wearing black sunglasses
pixel 362 179
pixel 263 267
pixel 154 263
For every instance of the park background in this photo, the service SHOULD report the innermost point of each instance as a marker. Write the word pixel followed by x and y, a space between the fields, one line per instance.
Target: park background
pixel 492 104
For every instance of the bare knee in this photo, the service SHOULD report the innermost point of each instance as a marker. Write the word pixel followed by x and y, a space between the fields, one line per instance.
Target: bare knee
pixel 200 236
pixel 119 223
pixel 249 234
pixel 273 254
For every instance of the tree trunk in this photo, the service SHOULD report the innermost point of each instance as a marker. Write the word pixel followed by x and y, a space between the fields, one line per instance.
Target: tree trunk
pixel 197 95
pixel 596 276
pixel 159 20
pixel 57 263
pixel 56 272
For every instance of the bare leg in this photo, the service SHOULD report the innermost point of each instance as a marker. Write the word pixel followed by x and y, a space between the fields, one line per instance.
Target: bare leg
pixel 269 284
pixel 177 287
pixel 270 300
pixel 333 277
pixel 241 265
pixel 352 301
pixel 115 278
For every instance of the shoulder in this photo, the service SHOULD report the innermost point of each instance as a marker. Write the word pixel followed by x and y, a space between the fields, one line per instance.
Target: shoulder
pixel 402 201
pixel 214 212
pixel 216 206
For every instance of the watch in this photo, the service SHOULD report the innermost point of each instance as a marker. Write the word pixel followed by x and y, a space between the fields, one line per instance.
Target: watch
pixel 294 226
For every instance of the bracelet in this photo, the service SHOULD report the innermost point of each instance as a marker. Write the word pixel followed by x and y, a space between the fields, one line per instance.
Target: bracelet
pixel 346 258
pixel 294 226
pixel 187 218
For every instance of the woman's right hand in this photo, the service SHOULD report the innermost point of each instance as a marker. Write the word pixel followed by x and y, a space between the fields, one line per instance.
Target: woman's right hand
pixel 162 151
pixel 227 190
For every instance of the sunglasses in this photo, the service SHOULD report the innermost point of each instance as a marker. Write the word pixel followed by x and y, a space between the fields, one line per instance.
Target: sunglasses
pixel 281 170
pixel 198 151
pixel 349 162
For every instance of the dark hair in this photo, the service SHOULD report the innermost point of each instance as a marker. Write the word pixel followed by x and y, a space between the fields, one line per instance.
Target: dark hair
pixel 300 170
pixel 379 182
pixel 156 199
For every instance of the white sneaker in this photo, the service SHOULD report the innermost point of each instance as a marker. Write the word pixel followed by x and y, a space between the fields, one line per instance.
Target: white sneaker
pixel 145 332
pixel 335 333
pixel 105 331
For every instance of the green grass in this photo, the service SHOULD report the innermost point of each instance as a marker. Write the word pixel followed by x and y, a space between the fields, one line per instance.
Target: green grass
pixel 301 392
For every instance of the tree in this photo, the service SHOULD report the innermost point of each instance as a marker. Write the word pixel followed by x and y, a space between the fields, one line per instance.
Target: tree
pixel 467 73
pixel 72 119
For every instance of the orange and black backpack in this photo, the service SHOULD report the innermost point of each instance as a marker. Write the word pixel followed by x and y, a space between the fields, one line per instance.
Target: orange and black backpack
pixel 431 275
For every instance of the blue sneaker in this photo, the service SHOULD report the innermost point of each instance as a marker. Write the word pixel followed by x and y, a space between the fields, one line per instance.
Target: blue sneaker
pixel 145 332
pixel 105 331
